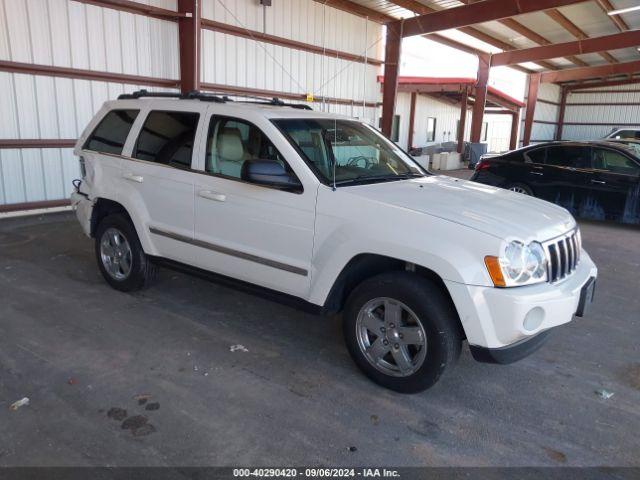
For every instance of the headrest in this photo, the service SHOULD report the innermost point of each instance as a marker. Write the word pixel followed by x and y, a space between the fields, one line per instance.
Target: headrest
pixel 230 146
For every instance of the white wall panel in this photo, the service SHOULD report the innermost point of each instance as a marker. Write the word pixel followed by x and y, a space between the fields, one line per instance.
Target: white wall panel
pixel 610 116
pixel 72 34
pixel 447 116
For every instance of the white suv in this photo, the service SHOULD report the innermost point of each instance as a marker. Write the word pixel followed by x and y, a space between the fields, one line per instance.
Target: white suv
pixel 325 209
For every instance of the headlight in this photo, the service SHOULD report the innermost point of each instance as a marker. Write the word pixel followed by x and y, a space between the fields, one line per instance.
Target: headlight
pixel 519 264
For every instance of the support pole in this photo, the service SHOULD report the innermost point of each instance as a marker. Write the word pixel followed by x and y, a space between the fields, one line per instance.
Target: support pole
pixel 464 105
pixel 532 98
pixel 563 107
pixel 515 126
pixel 391 74
pixel 412 119
pixel 484 65
pixel 189 38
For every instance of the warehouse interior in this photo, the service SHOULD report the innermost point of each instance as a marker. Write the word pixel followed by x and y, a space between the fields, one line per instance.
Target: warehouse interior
pixel 78 349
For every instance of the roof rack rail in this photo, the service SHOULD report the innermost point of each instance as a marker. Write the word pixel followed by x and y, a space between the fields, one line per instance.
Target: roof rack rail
pixel 276 102
pixel 209 97
pixel 192 95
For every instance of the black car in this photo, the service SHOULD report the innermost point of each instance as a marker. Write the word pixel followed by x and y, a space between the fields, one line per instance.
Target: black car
pixel 598 180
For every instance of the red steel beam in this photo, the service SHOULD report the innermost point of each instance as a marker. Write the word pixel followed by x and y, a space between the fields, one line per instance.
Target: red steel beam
pixel 268 94
pixel 480 97
pixel 606 7
pixel 18 207
pixel 584 73
pixel 532 97
pixel 561 112
pixel 609 83
pixel 48 70
pixel 515 126
pixel 464 105
pixel 474 13
pixel 357 9
pixel 393 49
pixel 412 119
pixel 283 42
pixel 572 28
pixel 37 143
pixel 189 40
pixel 135 7
pixel 588 45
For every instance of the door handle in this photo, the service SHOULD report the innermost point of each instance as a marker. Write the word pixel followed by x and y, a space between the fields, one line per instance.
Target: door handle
pixel 537 173
pixel 599 182
pixel 209 195
pixel 133 178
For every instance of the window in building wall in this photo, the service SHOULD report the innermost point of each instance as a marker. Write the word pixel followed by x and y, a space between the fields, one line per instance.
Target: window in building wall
pixel 485 131
pixel 395 127
pixel 431 129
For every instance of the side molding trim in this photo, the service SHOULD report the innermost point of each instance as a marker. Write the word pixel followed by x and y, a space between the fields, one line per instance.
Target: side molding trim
pixel 230 251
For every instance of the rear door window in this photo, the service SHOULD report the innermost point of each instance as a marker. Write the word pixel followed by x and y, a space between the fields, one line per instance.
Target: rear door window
pixel 111 133
pixel 569 156
pixel 537 155
pixel 167 137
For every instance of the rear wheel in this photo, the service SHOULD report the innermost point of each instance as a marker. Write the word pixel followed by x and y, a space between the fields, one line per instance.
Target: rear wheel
pixel 120 256
pixel 401 331
pixel 521 188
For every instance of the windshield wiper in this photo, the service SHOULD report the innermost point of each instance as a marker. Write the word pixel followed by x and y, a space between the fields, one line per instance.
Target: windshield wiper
pixel 378 178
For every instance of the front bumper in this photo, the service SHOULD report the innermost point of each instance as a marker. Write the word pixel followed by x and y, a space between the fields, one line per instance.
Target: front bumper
pixel 495 318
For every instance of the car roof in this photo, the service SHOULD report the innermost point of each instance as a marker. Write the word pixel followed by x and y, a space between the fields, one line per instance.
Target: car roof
pixel 576 143
pixel 249 106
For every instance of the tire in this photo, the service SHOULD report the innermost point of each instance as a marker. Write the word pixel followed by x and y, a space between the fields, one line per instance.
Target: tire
pixel 134 271
pixel 521 188
pixel 428 308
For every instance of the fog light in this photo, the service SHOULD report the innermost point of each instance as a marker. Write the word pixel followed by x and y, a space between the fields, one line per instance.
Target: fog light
pixel 533 319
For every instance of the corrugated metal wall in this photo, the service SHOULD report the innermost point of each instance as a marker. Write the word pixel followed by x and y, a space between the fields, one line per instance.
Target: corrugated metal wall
pixel 66 33
pixel 609 116
pixel 272 67
pixel 447 115
pixel 545 115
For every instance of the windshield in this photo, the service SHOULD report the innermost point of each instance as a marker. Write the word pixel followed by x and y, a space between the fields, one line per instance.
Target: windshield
pixel 633 148
pixel 356 152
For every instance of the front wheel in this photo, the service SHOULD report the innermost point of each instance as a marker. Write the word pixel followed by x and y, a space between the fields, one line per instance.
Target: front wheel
pixel 402 331
pixel 120 256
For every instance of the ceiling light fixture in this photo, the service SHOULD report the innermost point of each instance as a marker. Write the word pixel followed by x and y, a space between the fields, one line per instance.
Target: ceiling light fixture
pixel 624 10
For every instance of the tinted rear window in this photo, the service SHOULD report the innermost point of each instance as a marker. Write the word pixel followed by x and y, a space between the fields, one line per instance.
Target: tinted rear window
pixel 112 131
pixel 167 137
pixel 537 155
pixel 569 156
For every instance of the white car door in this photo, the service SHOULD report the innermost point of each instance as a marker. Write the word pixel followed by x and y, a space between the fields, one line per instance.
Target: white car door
pixel 252 232
pixel 157 182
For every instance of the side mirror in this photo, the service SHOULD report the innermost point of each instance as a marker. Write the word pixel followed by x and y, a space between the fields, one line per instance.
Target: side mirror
pixel 269 173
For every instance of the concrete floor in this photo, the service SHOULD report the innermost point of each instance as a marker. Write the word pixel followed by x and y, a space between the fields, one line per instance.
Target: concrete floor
pixel 79 349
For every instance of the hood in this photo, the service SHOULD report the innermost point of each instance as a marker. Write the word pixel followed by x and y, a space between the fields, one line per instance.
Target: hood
pixel 494 211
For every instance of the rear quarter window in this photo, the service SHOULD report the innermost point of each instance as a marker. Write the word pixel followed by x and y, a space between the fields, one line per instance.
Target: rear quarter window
pixel 111 133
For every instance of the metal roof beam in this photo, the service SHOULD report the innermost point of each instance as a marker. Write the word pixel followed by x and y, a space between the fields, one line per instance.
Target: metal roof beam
pixel 573 29
pixel 588 45
pixel 474 13
pixel 584 73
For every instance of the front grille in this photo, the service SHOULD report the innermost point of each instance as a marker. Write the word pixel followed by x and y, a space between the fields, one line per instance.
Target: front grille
pixel 564 255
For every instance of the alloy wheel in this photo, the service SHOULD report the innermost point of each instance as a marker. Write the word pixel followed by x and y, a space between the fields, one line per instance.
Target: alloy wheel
pixel 115 253
pixel 391 337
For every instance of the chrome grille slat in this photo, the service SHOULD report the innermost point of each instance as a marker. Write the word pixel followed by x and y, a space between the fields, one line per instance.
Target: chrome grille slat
pixel 563 254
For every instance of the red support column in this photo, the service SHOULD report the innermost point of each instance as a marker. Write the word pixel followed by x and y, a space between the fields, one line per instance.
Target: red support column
pixel 563 107
pixel 484 65
pixel 464 104
pixel 532 98
pixel 412 119
pixel 189 38
pixel 515 126
pixel 391 74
